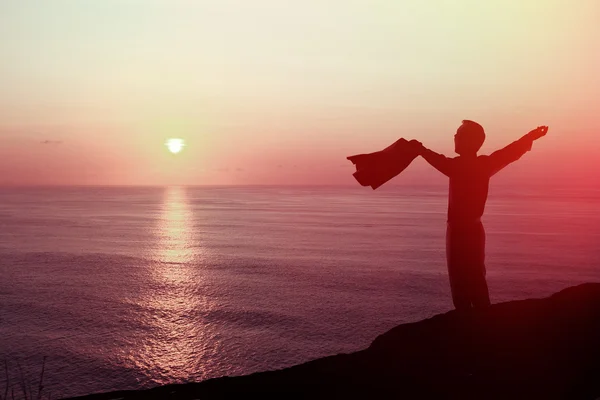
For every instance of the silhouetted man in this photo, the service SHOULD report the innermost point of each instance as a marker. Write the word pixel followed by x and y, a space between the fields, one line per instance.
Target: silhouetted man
pixel 469 180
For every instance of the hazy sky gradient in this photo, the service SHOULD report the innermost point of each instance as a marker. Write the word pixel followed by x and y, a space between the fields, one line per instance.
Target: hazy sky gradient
pixel 271 91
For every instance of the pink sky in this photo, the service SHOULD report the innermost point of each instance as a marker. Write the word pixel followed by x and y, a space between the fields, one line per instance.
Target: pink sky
pixel 281 92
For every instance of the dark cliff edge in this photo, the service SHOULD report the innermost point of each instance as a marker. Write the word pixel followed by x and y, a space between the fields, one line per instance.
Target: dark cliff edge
pixel 538 348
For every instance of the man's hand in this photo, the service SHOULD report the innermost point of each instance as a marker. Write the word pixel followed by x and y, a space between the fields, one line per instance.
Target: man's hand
pixel 416 146
pixel 538 132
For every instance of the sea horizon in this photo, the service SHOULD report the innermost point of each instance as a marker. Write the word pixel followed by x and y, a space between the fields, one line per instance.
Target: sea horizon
pixel 126 288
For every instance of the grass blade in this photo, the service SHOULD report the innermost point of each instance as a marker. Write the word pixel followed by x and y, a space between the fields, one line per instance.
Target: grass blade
pixel 41 386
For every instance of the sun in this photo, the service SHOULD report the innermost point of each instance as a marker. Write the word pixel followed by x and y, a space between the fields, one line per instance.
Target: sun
pixel 175 145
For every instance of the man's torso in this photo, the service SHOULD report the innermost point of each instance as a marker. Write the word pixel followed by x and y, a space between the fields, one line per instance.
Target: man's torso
pixel 469 183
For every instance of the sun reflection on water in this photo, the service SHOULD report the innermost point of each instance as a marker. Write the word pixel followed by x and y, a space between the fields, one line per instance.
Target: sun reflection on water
pixel 175 231
pixel 179 345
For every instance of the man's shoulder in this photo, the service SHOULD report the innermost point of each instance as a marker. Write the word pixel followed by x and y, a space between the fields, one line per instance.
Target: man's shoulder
pixel 479 158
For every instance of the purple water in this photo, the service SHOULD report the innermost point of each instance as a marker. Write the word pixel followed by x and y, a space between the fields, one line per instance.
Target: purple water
pixel 124 288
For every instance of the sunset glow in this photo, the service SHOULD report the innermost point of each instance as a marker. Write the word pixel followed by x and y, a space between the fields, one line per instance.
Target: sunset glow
pixel 175 145
pixel 281 92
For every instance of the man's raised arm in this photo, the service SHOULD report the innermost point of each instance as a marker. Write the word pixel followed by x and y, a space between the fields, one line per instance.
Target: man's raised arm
pixel 501 158
pixel 436 160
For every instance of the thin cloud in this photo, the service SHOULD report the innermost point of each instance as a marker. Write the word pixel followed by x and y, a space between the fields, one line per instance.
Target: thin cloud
pixel 52 142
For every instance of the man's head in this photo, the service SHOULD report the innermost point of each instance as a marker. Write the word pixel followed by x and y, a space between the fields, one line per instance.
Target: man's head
pixel 469 138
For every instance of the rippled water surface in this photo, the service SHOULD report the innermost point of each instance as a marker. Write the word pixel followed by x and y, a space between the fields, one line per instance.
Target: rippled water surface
pixel 123 288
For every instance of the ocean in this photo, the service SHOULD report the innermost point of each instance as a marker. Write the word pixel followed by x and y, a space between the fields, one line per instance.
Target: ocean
pixel 128 288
